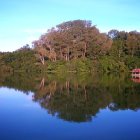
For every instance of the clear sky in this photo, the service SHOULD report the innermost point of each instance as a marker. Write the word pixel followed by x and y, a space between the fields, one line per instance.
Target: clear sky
pixel 22 21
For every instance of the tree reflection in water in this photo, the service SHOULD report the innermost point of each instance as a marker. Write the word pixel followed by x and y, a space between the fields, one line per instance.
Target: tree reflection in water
pixel 78 98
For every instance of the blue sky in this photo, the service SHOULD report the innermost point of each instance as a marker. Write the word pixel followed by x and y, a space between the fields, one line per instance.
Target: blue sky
pixel 22 21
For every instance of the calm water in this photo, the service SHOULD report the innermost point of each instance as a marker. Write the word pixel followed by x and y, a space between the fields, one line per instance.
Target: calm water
pixel 84 107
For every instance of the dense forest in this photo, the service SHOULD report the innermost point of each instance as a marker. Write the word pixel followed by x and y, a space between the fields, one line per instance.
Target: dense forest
pixel 76 46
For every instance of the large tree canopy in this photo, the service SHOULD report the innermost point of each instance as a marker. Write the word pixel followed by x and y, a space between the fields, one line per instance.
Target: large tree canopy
pixel 72 40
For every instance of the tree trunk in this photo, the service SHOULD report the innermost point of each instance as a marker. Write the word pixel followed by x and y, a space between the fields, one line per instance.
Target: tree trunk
pixel 42 83
pixel 66 57
pixel 132 53
pixel 85 91
pixel 42 60
pixel 68 54
pixel 119 54
pixel 61 55
pixel 85 50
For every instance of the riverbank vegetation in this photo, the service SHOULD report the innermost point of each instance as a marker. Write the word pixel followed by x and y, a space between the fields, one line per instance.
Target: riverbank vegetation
pixel 76 46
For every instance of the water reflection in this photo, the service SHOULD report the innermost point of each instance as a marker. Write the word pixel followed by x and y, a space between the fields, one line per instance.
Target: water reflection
pixel 77 98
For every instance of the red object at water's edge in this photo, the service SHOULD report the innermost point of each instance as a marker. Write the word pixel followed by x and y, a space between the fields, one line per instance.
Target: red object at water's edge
pixel 136 70
pixel 136 80
pixel 136 75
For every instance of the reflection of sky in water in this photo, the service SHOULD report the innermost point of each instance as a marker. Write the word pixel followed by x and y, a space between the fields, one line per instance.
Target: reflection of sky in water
pixel 21 118
pixel 13 98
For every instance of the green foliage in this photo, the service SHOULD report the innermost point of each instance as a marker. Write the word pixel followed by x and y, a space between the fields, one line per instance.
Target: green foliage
pixel 83 65
pixel 132 62
pixel 56 66
pixel 109 64
pixel 80 65
pixel 19 61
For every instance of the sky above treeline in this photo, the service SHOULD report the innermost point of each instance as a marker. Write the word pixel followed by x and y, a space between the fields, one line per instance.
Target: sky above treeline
pixel 22 21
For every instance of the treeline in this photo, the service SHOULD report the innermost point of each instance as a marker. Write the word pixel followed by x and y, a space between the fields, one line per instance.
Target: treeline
pixel 78 46
pixel 79 39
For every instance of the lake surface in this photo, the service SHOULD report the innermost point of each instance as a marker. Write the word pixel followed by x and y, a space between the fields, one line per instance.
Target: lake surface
pixel 73 107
